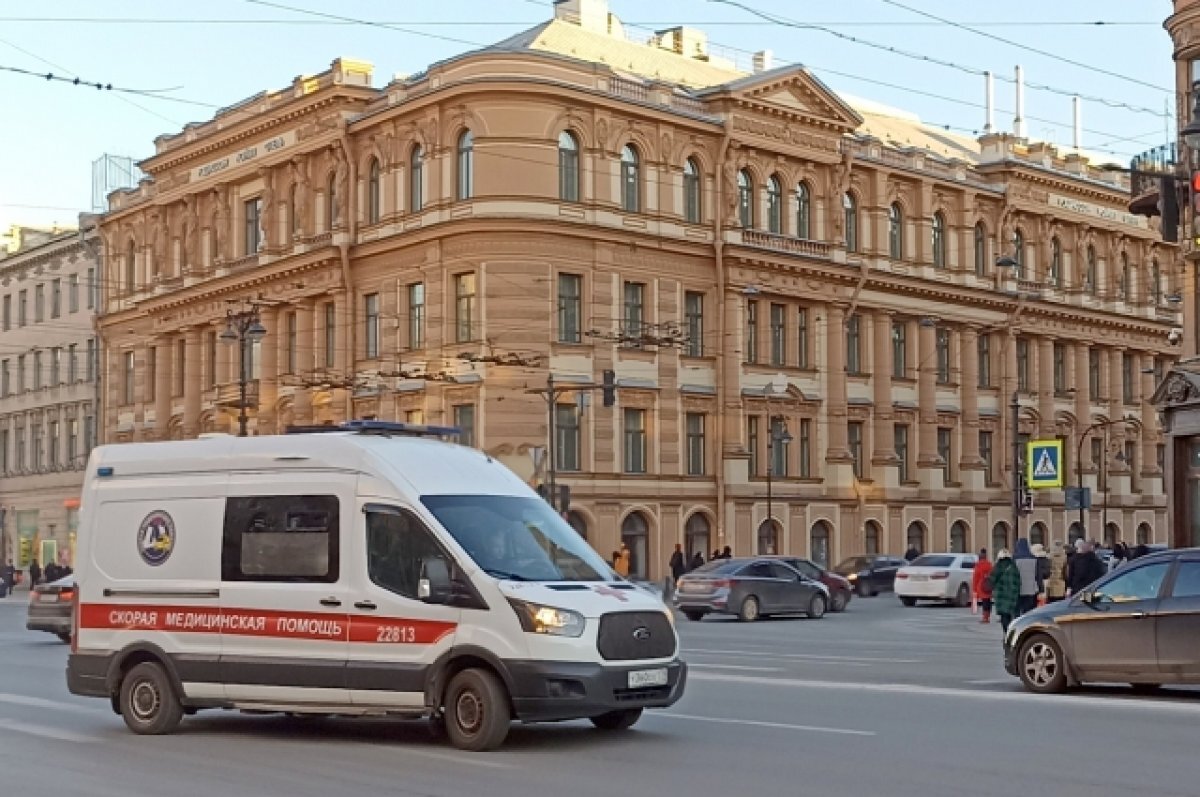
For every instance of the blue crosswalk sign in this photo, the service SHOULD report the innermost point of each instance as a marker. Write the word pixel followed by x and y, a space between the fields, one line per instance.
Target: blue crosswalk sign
pixel 1043 463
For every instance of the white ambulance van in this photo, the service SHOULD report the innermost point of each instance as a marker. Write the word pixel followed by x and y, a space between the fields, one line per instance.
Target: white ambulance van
pixel 371 569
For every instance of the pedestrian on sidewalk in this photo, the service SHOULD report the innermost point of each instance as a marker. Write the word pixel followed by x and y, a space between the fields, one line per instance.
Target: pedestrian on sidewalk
pixel 1043 570
pixel 35 573
pixel 1027 566
pixel 1006 588
pixel 697 560
pixel 677 564
pixel 1086 568
pixel 911 554
pixel 981 585
pixel 1056 583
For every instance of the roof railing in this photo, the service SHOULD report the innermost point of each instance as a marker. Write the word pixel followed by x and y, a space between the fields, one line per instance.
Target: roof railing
pixel 381 428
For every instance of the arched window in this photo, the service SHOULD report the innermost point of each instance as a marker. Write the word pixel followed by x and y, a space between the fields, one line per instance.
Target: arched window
pixel 939 240
pixel 1075 533
pixel 416 180
pixel 774 205
pixel 1090 277
pixel 818 543
pixel 691 191
pixel 697 533
pixel 1112 533
pixel 850 212
pixel 915 537
pixel 331 198
pixel 578 522
pixel 895 232
pixel 872 534
pixel 635 535
pixel 373 188
pixel 293 212
pixel 631 180
pixel 981 265
pixel 958 537
pixel 803 212
pixel 1054 275
pixel 745 199
pixel 131 267
pixel 1037 534
pixel 768 538
pixel 1125 286
pixel 568 167
pixel 466 164
pixel 1019 253
pixel 1143 534
pixel 1156 289
pixel 999 538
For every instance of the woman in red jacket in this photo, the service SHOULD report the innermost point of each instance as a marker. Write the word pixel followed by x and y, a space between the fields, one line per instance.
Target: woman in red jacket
pixel 981 585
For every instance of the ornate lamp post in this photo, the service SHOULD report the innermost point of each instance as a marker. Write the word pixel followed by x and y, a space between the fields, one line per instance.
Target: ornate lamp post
pixel 244 328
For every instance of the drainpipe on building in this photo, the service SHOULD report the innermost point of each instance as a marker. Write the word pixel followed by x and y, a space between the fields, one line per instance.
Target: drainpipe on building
pixel 719 257
pixel 344 252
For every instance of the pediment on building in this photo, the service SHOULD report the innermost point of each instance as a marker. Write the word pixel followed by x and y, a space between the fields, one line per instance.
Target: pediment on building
pixel 1178 388
pixel 791 93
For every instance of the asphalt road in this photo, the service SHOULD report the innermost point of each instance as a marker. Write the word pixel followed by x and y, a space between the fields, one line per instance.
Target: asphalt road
pixel 880 700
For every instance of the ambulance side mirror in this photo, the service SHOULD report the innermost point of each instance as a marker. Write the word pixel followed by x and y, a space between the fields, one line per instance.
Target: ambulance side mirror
pixel 434 586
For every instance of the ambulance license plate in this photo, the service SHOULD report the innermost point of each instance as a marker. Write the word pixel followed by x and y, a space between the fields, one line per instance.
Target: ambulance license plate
pixel 641 678
pixel 48 597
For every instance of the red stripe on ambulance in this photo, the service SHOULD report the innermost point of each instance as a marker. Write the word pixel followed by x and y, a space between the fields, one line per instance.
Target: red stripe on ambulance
pixel 320 626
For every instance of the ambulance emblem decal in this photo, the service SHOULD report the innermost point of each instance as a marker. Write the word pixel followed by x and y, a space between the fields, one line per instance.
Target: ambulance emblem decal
pixel 156 538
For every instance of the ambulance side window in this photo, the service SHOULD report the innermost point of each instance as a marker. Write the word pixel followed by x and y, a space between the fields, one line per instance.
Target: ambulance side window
pixel 281 538
pixel 397 545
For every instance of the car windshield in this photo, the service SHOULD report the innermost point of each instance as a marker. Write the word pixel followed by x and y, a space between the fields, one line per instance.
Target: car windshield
pixel 853 565
pixel 517 538
pixel 932 560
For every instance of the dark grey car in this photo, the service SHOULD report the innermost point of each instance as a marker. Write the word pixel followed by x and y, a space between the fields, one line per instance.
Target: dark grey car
pixel 1139 624
pixel 52 607
pixel 749 588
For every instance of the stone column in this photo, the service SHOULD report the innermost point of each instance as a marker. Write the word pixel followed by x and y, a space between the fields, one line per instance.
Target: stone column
pixel 732 355
pixel 268 380
pixel 884 449
pixel 302 408
pixel 141 390
pixel 163 350
pixel 226 365
pixel 343 358
pixel 1149 454
pixel 927 453
pixel 1083 410
pixel 1045 387
pixel 969 396
pixel 838 449
pixel 193 381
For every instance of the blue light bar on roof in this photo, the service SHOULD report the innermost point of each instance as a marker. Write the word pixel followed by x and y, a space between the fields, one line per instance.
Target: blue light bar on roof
pixel 395 427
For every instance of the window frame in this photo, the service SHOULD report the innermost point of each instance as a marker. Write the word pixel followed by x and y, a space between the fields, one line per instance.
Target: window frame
pixel 232 543
pixel 568 166
pixel 631 179
pixel 570 308
pixel 465 165
pixel 693 208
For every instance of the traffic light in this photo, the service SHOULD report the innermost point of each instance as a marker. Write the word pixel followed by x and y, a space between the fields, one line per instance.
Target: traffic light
pixel 610 388
pixel 1168 208
pixel 1194 194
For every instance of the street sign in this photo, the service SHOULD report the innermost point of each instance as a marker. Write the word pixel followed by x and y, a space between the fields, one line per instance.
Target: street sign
pixel 1077 498
pixel 1043 462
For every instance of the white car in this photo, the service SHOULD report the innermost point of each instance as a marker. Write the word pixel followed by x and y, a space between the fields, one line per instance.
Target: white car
pixel 936 577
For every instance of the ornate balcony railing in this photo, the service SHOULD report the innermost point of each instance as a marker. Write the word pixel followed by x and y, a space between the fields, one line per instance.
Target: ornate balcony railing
pixel 1147 169
pixel 785 243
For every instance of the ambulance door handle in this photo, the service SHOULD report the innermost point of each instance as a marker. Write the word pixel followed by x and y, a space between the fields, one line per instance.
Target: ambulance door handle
pixel 366 605
pixel 330 602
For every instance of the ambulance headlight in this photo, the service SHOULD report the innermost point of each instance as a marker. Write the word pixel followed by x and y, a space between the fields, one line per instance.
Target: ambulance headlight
pixel 538 619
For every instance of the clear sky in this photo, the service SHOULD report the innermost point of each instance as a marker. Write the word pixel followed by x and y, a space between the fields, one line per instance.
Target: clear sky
pixel 221 51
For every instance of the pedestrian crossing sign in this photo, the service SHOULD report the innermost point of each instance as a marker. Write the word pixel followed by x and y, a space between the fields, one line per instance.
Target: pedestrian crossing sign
pixel 1043 463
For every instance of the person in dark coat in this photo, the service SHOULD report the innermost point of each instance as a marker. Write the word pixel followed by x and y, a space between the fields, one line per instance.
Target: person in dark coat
pixel 1086 568
pixel 1006 588
pixel 697 560
pixel 727 553
pixel 911 554
pixel 678 568
pixel 1027 566
pixel 35 573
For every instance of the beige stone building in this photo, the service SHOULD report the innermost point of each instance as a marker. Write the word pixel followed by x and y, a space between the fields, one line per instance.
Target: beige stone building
pixel 799 297
pixel 48 390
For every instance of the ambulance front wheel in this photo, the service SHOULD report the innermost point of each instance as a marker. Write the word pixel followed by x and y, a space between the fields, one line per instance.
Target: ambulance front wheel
pixel 477 711
pixel 148 702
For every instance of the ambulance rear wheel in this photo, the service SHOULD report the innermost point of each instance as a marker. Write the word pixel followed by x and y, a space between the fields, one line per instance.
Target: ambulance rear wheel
pixel 149 704
pixel 477 712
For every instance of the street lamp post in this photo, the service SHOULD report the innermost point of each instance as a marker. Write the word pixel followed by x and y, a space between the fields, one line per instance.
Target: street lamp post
pixel 1079 464
pixel 776 436
pixel 243 327
pixel 1018 476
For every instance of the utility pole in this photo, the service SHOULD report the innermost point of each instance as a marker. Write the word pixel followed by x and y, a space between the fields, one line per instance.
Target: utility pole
pixel 244 329
pixel 1018 477
pixel 551 393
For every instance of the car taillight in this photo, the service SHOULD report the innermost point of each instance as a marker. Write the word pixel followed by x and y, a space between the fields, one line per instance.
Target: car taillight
pixel 902 575
pixel 722 583
pixel 74 621
pixel 940 575
pixel 66 595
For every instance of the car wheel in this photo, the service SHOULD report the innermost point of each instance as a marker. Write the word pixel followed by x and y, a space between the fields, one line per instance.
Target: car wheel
pixel 838 604
pixel 618 720
pixel 695 617
pixel 908 601
pixel 862 589
pixel 749 611
pixel 149 704
pixel 1041 665
pixel 963 597
pixel 478 714
pixel 816 606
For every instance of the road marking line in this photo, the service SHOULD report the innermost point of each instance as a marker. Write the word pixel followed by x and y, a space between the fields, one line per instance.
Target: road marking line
pixel 38 702
pixel 453 759
pixel 803 656
pixel 764 724
pixel 43 732
pixel 693 666
pixel 973 694
pixel 991 681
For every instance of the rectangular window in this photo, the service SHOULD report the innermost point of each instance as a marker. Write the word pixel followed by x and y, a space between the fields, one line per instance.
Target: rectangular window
pixel 21 373
pixel 1097 445
pixel 570 288
pixel 127 378
pixel 52 445
pixel 464 420
pixel 778 334
pixel 695 444
pixel 984 354
pixel 179 373
pixel 92 355
pixel 634 313
pixel 398 545
pixel 464 308
pixel 211 356
pixel 39 303
pixel 854 434
pixel 1023 364
pixel 1060 367
pixel 72 363
pixel 288 538
pixel 854 344
pixel 56 298
pixel 751 331
pixel 693 314
pixel 752 444
pixel 92 288
pixel 778 445
pixel 254 237
pixel 945 450
pixel 416 316
pixel 635 441
pixel 371 325
pixel 330 334
pixel 89 433
pixel 899 349
pixel 802 338
pixel 73 293
pixel 7 312
pixel 900 436
pixel 4 468
pixel 566 432
pixel 806 449
pixel 5 377
pixel 55 366
pixel 37 370
pixel 1094 374
pixel 986 453
pixel 153 357
pixel 22 308
pixel 943 356
pixel 1127 378
pixel 19 452
pixel 35 446
pixel 1131 463
pixel 414 416
pixel 72 441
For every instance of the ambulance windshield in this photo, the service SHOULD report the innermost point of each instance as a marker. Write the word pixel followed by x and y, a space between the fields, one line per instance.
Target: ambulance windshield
pixel 522 539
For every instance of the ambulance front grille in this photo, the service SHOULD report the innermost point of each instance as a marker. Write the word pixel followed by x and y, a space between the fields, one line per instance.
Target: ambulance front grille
pixel 629 636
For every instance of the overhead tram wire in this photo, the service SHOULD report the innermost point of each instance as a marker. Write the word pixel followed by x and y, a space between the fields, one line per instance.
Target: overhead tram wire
pixel 156 94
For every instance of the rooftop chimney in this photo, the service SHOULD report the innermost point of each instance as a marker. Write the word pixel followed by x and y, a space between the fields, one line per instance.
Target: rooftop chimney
pixel 762 61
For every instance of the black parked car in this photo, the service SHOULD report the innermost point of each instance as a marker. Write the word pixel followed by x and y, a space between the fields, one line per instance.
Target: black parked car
pixel 750 587
pixel 870 574
pixel 52 608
